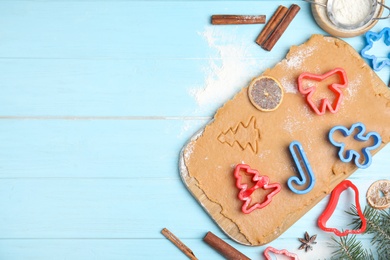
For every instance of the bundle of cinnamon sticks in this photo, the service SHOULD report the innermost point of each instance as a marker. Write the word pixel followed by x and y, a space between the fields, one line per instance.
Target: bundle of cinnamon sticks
pixel 276 26
pixel 273 29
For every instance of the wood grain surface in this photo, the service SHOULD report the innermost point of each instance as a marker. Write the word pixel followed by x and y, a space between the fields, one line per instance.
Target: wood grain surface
pixel 97 100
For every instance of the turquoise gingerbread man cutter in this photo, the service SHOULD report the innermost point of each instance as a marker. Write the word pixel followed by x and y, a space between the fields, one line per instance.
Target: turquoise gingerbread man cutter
pixel 348 155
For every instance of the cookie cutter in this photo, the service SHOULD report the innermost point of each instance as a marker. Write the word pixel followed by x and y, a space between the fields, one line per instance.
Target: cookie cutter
pixel 327 213
pixel 350 154
pixel 300 159
pixel 371 37
pixel 331 9
pixel 334 87
pixel 279 252
pixel 261 182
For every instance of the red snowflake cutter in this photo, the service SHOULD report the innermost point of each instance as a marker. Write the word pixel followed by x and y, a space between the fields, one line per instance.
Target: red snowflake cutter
pixel 334 198
pixel 334 87
pixel 261 182
pixel 279 252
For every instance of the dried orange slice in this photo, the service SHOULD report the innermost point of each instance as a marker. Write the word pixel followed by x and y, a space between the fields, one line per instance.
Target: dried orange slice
pixel 378 194
pixel 265 93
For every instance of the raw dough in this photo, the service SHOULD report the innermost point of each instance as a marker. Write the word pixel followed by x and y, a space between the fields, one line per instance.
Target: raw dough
pixel 240 133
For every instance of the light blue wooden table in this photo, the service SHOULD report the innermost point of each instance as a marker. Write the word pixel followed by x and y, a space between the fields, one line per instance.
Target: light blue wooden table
pixel 96 100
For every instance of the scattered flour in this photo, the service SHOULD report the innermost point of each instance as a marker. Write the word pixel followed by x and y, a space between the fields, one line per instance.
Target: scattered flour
pixel 353 86
pixel 264 153
pixel 231 70
pixel 289 85
pixel 192 125
pixel 188 151
pixel 300 56
pixel 293 125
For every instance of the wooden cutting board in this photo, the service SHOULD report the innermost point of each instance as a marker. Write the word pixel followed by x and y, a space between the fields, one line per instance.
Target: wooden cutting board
pixel 207 162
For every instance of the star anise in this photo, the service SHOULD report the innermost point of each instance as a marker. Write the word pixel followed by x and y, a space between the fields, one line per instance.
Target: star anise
pixel 307 241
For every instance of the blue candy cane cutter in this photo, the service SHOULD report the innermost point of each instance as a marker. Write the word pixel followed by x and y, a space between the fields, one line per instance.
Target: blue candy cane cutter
pixel 300 159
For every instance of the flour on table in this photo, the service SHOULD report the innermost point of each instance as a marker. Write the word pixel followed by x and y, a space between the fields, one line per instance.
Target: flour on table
pixel 232 70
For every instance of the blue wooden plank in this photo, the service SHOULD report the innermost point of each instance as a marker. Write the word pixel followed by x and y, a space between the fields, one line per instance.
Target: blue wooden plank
pixel 136 29
pixel 93 148
pixel 99 87
pixel 115 30
pixel 106 148
pixel 96 208
pixel 96 58
pixel 116 209
pixel 126 211
pixel 119 249
pixel 122 60
pixel 95 105
pixel 86 88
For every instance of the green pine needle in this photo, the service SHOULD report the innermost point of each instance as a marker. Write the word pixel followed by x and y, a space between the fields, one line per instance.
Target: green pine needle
pixel 348 248
pixel 378 225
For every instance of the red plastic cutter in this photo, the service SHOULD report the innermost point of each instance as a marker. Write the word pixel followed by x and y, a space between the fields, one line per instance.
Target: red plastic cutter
pixel 334 198
pixel 261 182
pixel 279 252
pixel 335 88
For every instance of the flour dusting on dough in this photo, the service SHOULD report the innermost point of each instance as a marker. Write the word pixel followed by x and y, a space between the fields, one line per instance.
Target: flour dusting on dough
pixel 300 56
pixel 352 88
pixel 292 125
pixel 264 153
pixel 289 84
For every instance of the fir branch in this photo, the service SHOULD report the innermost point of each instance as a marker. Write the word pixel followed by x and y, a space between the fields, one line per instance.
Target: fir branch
pixel 348 248
pixel 378 225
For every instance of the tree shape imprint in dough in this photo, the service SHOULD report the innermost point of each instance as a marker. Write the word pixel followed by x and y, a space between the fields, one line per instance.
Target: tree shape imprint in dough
pixel 245 135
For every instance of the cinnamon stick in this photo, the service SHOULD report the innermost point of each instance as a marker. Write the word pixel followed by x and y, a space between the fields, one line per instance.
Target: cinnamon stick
pixel 271 24
pixel 224 248
pixel 171 237
pixel 282 26
pixel 223 19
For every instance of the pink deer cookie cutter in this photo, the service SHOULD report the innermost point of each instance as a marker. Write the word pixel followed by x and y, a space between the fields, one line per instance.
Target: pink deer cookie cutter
pixel 284 252
pixel 325 103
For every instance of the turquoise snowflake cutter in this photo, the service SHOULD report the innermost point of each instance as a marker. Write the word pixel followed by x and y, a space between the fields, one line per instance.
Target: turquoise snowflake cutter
pixel 372 37
pixel 348 155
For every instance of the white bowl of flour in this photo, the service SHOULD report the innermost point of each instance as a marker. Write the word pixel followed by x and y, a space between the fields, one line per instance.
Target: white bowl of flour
pixel 351 14
pixel 347 18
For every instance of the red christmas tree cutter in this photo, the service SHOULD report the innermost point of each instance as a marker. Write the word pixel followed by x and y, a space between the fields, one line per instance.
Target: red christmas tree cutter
pixel 260 182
